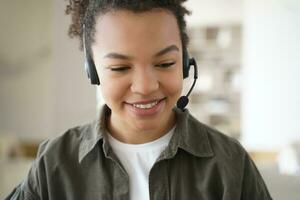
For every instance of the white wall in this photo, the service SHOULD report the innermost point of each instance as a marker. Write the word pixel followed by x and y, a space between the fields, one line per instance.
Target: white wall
pixel 75 101
pixel 271 93
pixel 43 87
pixel 214 12
pixel 26 68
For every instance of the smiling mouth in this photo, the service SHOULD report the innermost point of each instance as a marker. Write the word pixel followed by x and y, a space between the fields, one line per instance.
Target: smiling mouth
pixel 147 105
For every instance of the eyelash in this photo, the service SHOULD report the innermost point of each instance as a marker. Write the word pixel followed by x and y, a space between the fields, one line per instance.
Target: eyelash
pixel 165 65
pixel 122 69
pixel 119 69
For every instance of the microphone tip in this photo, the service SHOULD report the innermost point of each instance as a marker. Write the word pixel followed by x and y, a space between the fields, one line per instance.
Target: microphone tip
pixel 182 102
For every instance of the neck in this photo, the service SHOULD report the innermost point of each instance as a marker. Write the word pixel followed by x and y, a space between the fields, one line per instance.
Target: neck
pixel 128 133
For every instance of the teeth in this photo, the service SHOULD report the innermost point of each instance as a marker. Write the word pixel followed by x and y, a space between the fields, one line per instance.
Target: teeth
pixel 145 106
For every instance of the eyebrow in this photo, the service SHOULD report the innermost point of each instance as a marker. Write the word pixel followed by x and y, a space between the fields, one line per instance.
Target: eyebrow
pixel 118 56
pixel 167 50
pixel 127 57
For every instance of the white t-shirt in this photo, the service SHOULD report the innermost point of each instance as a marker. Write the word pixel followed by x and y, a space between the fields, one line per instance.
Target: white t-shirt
pixel 138 160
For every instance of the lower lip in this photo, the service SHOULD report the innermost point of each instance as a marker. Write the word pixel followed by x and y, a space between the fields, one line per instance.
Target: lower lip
pixel 147 112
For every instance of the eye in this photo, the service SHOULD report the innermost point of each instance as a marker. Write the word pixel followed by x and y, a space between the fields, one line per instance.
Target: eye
pixel 119 68
pixel 165 65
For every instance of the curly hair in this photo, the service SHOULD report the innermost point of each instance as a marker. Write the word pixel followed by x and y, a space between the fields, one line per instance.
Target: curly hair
pixel 85 12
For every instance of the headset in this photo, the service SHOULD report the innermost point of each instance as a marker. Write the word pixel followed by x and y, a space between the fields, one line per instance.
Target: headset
pixel 92 74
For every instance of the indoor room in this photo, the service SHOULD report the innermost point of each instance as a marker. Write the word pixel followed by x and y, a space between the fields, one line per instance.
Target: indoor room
pixel 248 62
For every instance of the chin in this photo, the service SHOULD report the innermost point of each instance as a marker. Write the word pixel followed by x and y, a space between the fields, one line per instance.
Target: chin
pixel 151 124
pixel 146 126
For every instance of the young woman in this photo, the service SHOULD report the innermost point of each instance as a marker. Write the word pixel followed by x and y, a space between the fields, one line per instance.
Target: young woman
pixel 141 147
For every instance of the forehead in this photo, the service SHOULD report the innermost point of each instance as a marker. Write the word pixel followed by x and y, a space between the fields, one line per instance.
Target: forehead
pixel 151 29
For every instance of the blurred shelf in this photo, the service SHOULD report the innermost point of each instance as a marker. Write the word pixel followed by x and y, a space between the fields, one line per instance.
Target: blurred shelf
pixel 216 98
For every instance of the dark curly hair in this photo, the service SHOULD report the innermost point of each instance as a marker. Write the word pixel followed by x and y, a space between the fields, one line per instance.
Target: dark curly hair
pixel 84 12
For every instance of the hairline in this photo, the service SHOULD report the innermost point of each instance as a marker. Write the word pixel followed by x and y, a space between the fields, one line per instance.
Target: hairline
pixel 98 15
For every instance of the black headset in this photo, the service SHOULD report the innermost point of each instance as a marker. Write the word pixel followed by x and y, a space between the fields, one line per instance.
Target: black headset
pixel 92 74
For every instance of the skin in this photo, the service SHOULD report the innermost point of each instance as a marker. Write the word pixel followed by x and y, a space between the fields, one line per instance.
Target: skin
pixel 128 52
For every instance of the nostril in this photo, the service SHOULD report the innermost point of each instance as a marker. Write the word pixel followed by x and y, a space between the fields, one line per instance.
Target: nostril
pixel 145 85
pixel 144 88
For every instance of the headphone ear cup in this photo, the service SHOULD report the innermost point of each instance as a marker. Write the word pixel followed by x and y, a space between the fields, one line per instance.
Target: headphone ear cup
pixel 186 63
pixel 91 71
pixel 89 64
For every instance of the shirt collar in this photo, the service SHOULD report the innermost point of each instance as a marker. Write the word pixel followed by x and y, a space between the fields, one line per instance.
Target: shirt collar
pixel 93 133
pixel 189 135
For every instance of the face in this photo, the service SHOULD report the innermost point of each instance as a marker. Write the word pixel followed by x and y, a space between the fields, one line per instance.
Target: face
pixel 138 57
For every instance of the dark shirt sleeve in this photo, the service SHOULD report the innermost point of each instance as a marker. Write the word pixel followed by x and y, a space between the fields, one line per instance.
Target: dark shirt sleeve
pixel 22 193
pixel 29 188
pixel 253 187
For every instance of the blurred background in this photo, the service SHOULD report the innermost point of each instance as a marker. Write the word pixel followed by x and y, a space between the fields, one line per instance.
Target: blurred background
pixel 248 54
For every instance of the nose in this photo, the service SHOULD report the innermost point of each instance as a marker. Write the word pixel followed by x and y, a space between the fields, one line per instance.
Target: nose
pixel 144 82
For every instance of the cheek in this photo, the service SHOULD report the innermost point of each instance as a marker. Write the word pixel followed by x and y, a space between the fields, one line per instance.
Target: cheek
pixel 112 90
pixel 173 85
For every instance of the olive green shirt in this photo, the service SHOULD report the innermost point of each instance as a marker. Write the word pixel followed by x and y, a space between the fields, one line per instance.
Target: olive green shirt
pixel 199 163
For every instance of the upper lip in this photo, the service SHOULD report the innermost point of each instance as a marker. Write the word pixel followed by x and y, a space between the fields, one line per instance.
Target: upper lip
pixel 146 101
